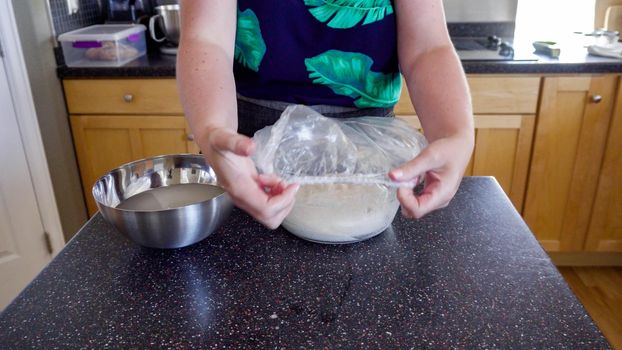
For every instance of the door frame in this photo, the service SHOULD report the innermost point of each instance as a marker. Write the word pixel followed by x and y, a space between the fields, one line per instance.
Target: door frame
pixel 26 114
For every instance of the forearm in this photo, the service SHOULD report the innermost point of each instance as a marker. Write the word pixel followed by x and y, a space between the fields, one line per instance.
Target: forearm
pixel 207 88
pixel 440 94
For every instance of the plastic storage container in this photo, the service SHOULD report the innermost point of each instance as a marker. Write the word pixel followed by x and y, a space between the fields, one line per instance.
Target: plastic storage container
pixel 103 45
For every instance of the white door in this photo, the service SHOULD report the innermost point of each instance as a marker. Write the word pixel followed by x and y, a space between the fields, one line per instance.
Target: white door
pixel 23 246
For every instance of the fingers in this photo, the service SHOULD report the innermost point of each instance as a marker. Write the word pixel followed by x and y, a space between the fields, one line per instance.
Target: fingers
pixel 278 207
pixel 425 161
pixel 441 166
pixel 271 183
pixel 269 200
pixel 226 140
pixel 280 201
pixel 265 197
pixel 434 196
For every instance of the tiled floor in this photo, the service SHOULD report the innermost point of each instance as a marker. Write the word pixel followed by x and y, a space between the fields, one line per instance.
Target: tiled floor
pixel 600 290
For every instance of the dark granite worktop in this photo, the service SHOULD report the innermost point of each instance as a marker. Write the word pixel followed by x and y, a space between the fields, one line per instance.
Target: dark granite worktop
pixel 467 276
pixel 575 62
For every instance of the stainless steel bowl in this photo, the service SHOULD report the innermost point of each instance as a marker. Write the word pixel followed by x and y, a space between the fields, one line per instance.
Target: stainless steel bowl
pixel 168 228
pixel 169 20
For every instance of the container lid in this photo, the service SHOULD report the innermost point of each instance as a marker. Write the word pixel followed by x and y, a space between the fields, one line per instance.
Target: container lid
pixel 101 32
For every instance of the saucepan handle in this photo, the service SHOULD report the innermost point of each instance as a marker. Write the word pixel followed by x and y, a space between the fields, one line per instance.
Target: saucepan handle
pixel 152 21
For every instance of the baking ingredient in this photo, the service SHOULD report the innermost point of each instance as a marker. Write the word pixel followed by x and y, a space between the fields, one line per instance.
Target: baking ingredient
pixel 341 213
pixel 169 197
pixel 111 51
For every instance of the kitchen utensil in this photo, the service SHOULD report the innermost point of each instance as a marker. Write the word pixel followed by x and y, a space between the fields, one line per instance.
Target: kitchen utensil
pixel 125 11
pixel 161 228
pixel 73 6
pixel 169 22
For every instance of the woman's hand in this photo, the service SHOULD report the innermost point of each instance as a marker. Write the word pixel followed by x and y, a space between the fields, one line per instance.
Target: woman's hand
pixel 441 166
pixel 439 92
pixel 265 197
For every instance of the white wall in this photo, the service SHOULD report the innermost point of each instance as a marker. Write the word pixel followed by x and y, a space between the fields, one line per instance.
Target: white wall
pixel 535 21
pixel 480 10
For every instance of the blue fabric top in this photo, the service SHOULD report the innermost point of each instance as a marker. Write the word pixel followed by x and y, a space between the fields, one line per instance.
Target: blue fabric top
pixel 331 52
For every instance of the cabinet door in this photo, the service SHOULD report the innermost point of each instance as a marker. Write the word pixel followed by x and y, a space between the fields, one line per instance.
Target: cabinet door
pixel 505 94
pixel 502 149
pixel 568 152
pixel 105 142
pixel 605 230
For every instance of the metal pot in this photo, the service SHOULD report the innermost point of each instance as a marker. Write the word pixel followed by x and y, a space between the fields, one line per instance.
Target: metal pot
pixel 168 228
pixel 168 19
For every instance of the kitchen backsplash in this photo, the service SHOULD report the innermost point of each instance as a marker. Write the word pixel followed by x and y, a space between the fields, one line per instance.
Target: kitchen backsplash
pixel 480 11
pixel 90 13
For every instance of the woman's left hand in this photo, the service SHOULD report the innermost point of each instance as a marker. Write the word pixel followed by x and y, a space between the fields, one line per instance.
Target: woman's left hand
pixel 441 165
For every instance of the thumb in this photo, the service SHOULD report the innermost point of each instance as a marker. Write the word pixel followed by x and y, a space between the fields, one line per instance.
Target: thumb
pixel 421 164
pixel 227 140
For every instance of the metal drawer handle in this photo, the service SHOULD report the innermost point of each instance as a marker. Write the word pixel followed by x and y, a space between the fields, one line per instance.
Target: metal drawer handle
pixel 597 98
pixel 128 98
pixel 190 137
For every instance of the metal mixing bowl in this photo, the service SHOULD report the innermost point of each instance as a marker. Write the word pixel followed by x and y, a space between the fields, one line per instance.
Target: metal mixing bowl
pixel 170 22
pixel 168 228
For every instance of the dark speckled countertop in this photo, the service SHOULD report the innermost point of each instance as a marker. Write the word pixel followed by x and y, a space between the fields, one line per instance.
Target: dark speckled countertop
pixel 468 276
pixel 575 61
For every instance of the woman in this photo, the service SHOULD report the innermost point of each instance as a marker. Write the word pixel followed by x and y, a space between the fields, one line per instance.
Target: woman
pixel 340 56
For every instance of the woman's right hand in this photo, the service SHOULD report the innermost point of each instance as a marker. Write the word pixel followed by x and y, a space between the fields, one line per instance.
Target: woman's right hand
pixel 265 197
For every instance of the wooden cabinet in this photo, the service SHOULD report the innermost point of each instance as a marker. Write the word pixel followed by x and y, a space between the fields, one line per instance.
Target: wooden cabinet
pixel 122 96
pixel 505 109
pixel 605 230
pixel 554 144
pixel 570 141
pixel 118 121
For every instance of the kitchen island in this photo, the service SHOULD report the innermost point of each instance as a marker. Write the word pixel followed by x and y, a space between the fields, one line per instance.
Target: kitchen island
pixel 468 276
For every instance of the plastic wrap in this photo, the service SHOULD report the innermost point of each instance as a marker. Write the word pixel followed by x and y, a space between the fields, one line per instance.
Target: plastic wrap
pixel 307 148
pixel 342 164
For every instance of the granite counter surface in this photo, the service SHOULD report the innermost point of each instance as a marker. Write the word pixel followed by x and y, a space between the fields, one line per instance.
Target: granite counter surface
pixel 158 66
pixel 467 276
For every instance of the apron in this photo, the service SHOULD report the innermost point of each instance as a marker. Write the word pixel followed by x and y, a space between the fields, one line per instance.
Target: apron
pixel 254 114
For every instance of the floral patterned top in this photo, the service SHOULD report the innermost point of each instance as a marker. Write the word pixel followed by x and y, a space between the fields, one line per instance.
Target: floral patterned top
pixel 330 52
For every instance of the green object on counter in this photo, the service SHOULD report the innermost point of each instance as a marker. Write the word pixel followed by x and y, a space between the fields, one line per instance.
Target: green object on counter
pixel 549 48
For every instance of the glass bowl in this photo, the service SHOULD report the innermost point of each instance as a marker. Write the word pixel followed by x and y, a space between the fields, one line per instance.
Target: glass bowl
pixel 341 213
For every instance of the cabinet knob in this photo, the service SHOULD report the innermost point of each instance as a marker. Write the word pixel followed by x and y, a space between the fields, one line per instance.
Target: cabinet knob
pixel 597 98
pixel 190 137
pixel 128 98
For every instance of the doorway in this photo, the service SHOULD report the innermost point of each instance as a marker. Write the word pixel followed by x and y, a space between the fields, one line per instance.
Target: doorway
pixel 30 232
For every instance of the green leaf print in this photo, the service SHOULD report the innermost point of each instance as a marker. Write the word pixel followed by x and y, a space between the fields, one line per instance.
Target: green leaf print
pixel 349 74
pixel 348 13
pixel 249 45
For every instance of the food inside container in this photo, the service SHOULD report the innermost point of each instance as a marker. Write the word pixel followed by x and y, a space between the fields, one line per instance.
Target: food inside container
pixel 342 166
pixel 103 45
pixel 341 213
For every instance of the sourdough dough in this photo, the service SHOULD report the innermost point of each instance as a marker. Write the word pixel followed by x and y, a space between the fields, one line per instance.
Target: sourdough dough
pixel 341 213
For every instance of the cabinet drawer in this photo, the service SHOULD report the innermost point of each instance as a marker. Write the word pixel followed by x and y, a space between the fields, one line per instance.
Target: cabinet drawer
pixel 122 96
pixel 493 94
